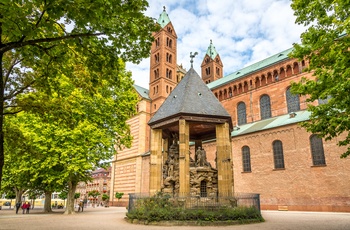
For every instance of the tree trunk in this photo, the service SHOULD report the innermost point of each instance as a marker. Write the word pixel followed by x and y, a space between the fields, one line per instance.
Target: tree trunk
pixel 19 194
pixel 70 198
pixel 2 158
pixel 47 204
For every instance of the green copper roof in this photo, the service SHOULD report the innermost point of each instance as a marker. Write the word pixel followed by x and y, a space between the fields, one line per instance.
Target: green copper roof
pixel 142 92
pixel 163 19
pixel 211 51
pixel 281 56
pixel 270 123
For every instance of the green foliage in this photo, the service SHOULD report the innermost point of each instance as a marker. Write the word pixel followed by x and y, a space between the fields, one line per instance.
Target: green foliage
pixel 52 55
pixel 10 195
pixel 119 195
pixel 63 195
pixel 325 45
pixel 105 197
pixel 76 195
pixel 161 207
pixel 94 193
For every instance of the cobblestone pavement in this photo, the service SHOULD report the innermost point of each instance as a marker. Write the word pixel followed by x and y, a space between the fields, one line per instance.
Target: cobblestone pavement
pixel 113 219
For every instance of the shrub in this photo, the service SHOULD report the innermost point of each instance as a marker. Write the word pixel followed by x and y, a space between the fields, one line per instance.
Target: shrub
pixel 161 207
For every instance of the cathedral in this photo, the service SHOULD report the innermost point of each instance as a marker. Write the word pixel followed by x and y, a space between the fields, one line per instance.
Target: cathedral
pixel 271 154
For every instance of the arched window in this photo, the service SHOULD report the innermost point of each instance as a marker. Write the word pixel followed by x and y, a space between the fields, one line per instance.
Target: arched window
pixel 167 89
pixel 293 102
pixel 157 42
pixel 241 114
pixel 317 151
pixel 265 107
pixel 278 154
pixel 169 42
pixel 203 188
pixel 246 159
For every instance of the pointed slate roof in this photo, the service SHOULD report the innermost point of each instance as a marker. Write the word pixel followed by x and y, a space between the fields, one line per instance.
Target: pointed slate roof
pixel 144 93
pixel 211 51
pixel 190 97
pixel 163 19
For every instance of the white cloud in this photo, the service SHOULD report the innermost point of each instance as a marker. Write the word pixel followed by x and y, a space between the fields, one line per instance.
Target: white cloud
pixel 243 32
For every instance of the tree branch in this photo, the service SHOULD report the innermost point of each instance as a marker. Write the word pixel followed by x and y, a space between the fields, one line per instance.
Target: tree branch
pixel 14 62
pixel 18 91
pixel 13 45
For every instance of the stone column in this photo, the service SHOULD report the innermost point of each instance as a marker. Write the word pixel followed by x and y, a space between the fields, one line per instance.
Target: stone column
pixel 224 162
pixel 156 161
pixel 184 158
pixel 165 149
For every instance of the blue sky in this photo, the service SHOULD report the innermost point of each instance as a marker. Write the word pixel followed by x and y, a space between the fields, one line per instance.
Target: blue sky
pixel 243 32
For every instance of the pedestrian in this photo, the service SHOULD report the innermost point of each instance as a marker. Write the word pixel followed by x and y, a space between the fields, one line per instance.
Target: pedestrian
pixel 81 206
pixel 18 205
pixel 24 207
pixel 28 207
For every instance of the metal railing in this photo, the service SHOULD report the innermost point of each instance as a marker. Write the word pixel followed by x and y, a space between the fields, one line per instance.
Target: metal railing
pixel 197 202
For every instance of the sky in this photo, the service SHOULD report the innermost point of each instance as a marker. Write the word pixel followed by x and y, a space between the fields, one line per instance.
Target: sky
pixel 243 32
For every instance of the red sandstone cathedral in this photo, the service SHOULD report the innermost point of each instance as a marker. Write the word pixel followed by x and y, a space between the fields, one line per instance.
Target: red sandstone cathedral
pixel 272 155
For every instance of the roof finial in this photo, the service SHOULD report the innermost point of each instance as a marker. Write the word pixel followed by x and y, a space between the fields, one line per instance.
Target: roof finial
pixel 163 8
pixel 211 42
pixel 192 56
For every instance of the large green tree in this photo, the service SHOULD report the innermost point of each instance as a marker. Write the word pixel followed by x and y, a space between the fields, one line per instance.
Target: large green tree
pixel 36 36
pixel 69 129
pixel 325 44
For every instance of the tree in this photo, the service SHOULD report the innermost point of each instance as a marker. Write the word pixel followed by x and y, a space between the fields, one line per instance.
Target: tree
pixel 325 44
pixel 33 195
pixel 36 37
pixel 105 198
pixel 94 194
pixel 119 195
pixel 76 196
pixel 10 195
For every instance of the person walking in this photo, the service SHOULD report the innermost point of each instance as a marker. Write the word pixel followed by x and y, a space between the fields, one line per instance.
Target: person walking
pixel 81 206
pixel 28 207
pixel 24 207
pixel 18 205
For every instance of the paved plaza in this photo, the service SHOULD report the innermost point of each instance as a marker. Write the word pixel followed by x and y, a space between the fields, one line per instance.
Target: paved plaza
pixel 113 218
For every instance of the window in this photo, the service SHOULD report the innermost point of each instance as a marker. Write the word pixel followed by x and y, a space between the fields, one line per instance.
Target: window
pixel 293 103
pixel 157 42
pixel 241 113
pixel 203 188
pixel 265 107
pixel 156 57
pixel 169 42
pixel 207 71
pixel 168 57
pixel 246 159
pixel 317 151
pixel 278 154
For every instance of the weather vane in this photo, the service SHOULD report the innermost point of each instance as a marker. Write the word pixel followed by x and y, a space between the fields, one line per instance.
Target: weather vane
pixel 192 56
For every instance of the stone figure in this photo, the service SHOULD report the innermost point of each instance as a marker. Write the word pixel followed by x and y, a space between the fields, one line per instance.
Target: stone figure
pixel 171 164
pixel 201 157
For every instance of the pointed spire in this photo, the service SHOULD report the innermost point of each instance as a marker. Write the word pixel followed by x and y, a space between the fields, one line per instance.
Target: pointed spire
pixel 211 50
pixel 163 19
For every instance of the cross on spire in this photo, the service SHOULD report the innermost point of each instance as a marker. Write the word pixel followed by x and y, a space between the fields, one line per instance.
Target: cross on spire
pixel 192 56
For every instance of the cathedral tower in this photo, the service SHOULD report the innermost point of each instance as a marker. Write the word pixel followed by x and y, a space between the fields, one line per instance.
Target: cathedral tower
pixel 163 67
pixel 212 67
